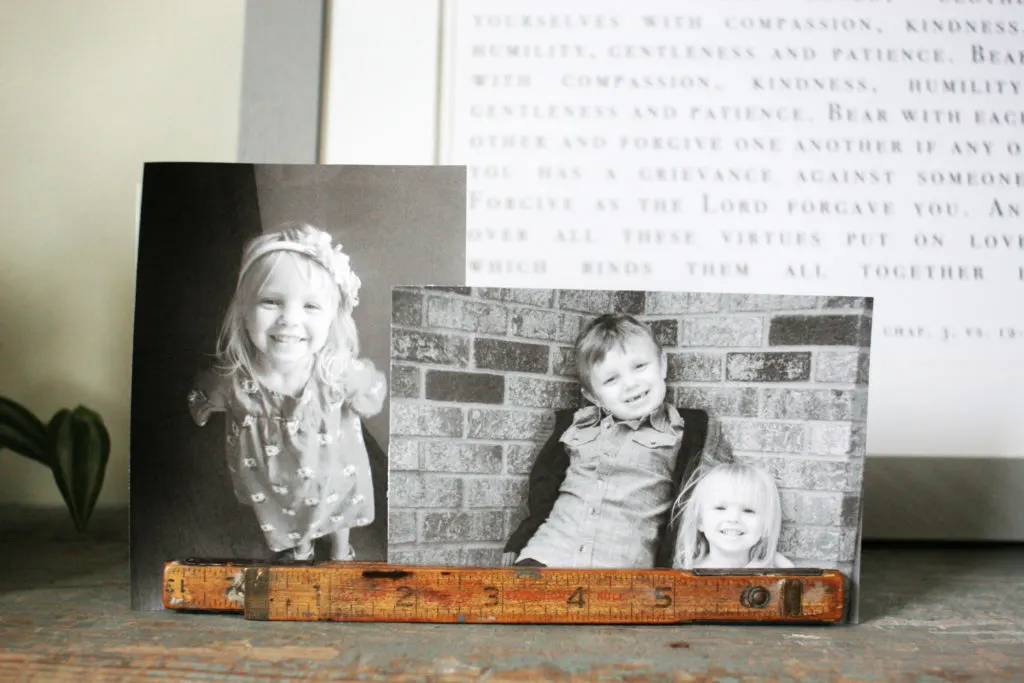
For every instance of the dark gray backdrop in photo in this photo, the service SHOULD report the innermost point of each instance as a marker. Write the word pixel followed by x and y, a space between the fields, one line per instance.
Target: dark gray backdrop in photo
pixel 968 498
pixel 394 222
pixel 477 373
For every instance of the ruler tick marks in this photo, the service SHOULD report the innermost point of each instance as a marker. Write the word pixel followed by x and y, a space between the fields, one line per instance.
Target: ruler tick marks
pixel 380 592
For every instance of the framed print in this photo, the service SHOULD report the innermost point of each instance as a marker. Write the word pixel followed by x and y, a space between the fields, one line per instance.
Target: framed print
pixel 921 226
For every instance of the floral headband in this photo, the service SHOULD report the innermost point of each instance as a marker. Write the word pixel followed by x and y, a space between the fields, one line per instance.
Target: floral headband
pixel 332 259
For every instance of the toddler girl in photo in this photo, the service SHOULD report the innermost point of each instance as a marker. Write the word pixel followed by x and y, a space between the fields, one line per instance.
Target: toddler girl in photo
pixel 731 519
pixel 293 390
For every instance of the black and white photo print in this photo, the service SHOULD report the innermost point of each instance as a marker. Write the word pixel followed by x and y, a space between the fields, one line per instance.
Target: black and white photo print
pixel 613 429
pixel 259 375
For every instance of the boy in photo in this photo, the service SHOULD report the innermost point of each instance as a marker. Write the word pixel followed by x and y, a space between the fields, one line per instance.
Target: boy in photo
pixel 623 452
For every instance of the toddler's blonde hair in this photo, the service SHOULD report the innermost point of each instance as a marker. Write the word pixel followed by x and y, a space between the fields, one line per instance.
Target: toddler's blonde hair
pixel 754 484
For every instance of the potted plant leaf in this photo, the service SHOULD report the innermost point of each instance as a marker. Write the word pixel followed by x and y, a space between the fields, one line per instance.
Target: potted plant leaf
pixel 74 444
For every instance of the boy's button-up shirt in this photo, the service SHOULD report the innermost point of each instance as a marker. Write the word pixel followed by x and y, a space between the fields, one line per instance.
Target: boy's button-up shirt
pixel 616 493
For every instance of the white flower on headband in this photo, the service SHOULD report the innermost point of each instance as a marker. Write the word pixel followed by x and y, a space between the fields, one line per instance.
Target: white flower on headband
pixel 337 262
pixel 346 278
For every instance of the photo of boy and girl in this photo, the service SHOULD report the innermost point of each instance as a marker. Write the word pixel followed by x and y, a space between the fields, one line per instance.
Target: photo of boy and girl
pixel 634 467
pixel 626 429
pixel 626 476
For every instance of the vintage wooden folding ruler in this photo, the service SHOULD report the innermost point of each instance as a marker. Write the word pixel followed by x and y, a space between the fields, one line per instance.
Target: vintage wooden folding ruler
pixel 354 591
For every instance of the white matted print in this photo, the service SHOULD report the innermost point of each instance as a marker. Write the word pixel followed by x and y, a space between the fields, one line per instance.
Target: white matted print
pixel 259 426
pixel 778 147
pixel 499 456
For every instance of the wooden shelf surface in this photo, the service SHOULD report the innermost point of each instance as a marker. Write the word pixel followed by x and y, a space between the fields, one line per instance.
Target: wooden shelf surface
pixel 928 612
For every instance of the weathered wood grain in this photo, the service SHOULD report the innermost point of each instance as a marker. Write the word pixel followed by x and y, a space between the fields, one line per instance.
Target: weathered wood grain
pixel 928 613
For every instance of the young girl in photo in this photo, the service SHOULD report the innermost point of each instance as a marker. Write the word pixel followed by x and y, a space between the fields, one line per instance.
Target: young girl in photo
pixel 293 390
pixel 731 519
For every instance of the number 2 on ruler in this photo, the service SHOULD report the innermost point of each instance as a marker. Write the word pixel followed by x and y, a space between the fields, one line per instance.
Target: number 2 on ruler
pixel 405 597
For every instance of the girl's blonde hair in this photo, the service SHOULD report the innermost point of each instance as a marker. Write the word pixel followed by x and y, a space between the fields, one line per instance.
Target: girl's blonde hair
pixel 310 248
pixel 753 484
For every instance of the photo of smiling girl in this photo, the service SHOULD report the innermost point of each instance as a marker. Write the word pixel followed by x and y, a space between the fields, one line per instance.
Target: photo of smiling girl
pixel 293 389
pixel 252 282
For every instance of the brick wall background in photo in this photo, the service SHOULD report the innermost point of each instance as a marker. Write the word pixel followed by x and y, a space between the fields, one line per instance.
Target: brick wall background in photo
pixel 477 372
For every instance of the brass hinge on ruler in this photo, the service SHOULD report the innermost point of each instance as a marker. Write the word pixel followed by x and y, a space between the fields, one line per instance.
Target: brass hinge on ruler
pixel 353 591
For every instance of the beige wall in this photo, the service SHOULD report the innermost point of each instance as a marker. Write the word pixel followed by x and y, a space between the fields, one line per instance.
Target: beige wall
pixel 88 91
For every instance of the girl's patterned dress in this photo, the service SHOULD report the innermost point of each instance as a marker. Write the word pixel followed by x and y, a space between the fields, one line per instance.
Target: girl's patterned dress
pixel 303 476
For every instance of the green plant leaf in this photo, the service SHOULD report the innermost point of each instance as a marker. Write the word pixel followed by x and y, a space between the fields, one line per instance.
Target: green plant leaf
pixel 80 448
pixel 22 432
pixel 61 472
